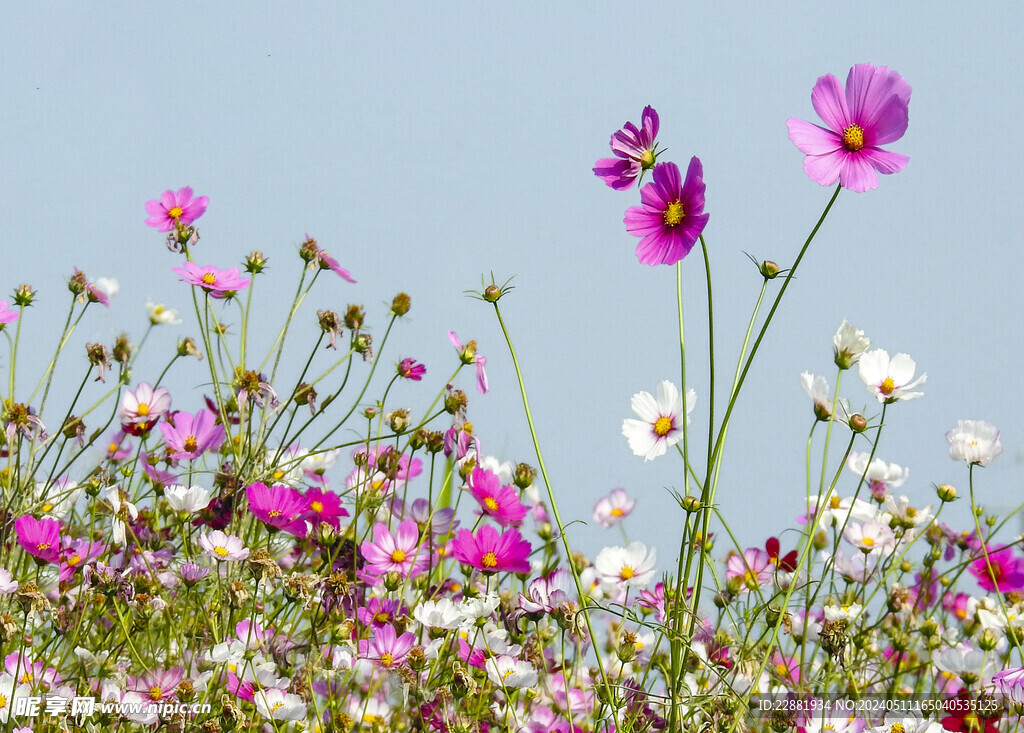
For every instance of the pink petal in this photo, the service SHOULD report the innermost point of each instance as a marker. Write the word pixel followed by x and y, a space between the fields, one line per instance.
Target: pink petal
pixel 167 199
pixel 857 174
pixel 830 104
pixel 885 161
pixel 878 99
pixel 813 139
pixel 824 169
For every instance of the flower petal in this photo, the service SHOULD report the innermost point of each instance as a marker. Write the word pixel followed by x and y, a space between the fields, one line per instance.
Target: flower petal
pixel 813 139
pixel 830 103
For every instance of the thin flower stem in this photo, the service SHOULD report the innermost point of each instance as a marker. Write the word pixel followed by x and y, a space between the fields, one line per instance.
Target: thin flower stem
pixel 551 497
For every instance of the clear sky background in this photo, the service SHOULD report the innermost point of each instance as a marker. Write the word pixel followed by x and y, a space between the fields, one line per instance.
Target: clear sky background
pixel 426 144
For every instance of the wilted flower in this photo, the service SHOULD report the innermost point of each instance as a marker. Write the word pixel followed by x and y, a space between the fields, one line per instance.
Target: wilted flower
pixel 468 355
pixel 409 369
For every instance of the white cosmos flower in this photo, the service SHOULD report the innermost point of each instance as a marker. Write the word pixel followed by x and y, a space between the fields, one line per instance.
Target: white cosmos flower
pixel 439 614
pixel 158 314
pixel 122 509
pixel 661 420
pixel 191 500
pixel 842 613
pixel 878 471
pixel 849 343
pixel 510 672
pixel 836 510
pixel 907 722
pixel 907 515
pixel 624 567
pixel 974 441
pixel 890 380
pixel 275 704
pixel 870 537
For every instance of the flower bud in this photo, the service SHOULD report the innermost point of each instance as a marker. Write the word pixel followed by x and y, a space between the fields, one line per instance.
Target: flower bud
pixel 401 304
pixel 768 269
pixel 690 504
pixel 78 282
pixel 392 580
pixel 946 492
pixel 492 293
pixel 122 349
pixel 858 423
pixel 524 475
pixel 309 249
pixel 987 640
pixel 363 344
pixel 24 295
pixel 255 262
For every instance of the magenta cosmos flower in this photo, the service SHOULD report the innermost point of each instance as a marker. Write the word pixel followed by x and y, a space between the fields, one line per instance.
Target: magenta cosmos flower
pixel 671 216
pixel 143 408
pixel 386 647
pixel 397 552
pixel 998 570
pixel 190 436
pixel 491 552
pixel 407 368
pixel 497 501
pixel 175 208
pixel 218 283
pixel 871 112
pixel 634 152
pixel 278 506
pixel 39 537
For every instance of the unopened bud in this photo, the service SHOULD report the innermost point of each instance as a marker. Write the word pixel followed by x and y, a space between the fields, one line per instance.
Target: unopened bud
pixel 309 249
pixel 24 295
pixel 492 293
pixel 400 304
pixel 769 270
pixel 255 262
pixel 690 504
pixel 858 423
pixel 946 492
pixel 524 475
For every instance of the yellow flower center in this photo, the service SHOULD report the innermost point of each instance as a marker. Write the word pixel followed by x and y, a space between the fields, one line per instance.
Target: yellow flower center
pixel 274 513
pixel 112 448
pixel 508 673
pixel 834 502
pixel 491 504
pixel 43 546
pixel 175 213
pixel 627 572
pixel 209 278
pixel 26 678
pixel 386 659
pixel 381 617
pixel 73 560
pixel 398 556
pixel 317 506
pixel 489 560
pixel 616 512
pixel 3 702
pixel 158 310
pixel 867 541
pixel 782 670
pixel 155 693
pixel 853 138
pixel 47 507
pixel 887 386
pixel 647 159
pixel 674 213
pixel 897 728
pixel 191 444
pixel 221 551
pixel 662 426
pixel 143 409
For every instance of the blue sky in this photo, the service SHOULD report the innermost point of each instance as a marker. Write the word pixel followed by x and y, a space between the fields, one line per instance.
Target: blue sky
pixel 425 146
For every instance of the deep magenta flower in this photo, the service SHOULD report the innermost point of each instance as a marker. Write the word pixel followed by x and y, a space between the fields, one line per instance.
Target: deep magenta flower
pixel 872 112
pixel 190 436
pixel 397 552
pixel 671 216
pixel 500 502
pixel 278 506
pixel 407 368
pixel 998 570
pixel 175 208
pixel 218 283
pixel 491 552
pixel 39 537
pixel 634 150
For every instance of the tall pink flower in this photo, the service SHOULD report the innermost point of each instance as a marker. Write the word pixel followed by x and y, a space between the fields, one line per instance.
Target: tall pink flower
pixel 6 314
pixel 175 208
pixel 468 355
pixel 190 436
pixel 218 283
pixel 39 537
pixel 491 552
pixel 324 506
pixel 279 507
pixel 671 216
pixel 407 368
pixel 873 111
pixel 397 552
pixel 500 502
pixel 634 151
pixel 143 408
pixel 386 647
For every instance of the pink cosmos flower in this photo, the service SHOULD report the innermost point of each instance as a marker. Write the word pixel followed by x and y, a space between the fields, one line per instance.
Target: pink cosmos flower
pixel 612 509
pixel 143 408
pixel 6 314
pixel 32 671
pixel 158 684
pixel 324 506
pixel 329 263
pixel 469 356
pixel 39 537
pixel 91 292
pixel 378 612
pixel 546 594
pixel 407 368
pixel 500 502
pixel 753 568
pixel 872 112
pixel 190 437
pixel 223 547
pixel 278 506
pixel 1000 571
pixel 671 216
pixel 386 647
pixel 634 152
pixel 395 553
pixel 218 283
pixel 175 208
pixel 491 552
